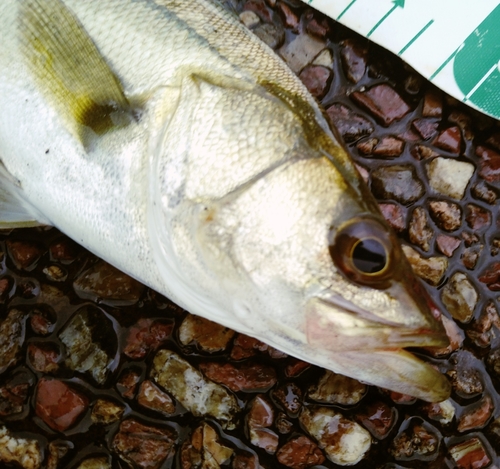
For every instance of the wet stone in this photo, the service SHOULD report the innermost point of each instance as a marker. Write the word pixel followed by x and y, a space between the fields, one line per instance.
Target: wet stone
pixel 351 126
pixel 481 331
pixel 447 244
pixel 272 34
pixel 258 7
pixel 283 424
pixel 398 182
pixel 394 215
pixel 245 347
pixel 127 383
pixel 14 395
pixel 489 164
pixel 378 418
pixel 366 147
pixel 189 387
pixel 259 418
pixel 345 442
pixel 389 147
pixel 105 412
pixel 471 255
pixel 54 273
pixel 491 276
pixel 246 461
pixel 477 218
pixel 333 388
pixel 144 446
pixel 151 397
pixel 22 451
pixel 449 177
pixel 249 18
pixel 433 103
pixel 64 251
pixel 442 412
pixel 289 397
pixel 301 51
pixel 460 297
pixel 208 335
pixel 58 404
pixel 466 379
pixel 470 454
pixel 100 462
pixel 290 19
pixel 6 284
pixel 43 357
pixel 463 121
pixel 449 140
pixel 432 269
pixel 91 343
pixel 296 367
pixel 12 330
pixel 353 55
pixel 324 58
pixel 426 128
pixel 419 231
pixel 476 416
pixel 57 450
pixel 421 152
pixel 24 254
pixel 482 192
pixel 383 103
pixel 317 25
pixel 316 79
pixel 418 441
pixel 103 282
pixel 204 450
pixel 247 377
pixel 300 453
pixel 447 215
pixel 146 336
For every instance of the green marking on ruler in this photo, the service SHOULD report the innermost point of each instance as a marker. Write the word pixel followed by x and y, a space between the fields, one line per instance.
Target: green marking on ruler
pixel 397 3
pixel 346 8
pixel 444 64
pixel 414 38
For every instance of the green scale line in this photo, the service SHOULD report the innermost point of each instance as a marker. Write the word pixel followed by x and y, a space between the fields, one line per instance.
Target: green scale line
pixel 445 63
pixel 346 9
pixel 414 38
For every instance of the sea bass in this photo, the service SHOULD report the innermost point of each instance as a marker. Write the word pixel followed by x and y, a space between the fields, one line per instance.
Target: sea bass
pixel 168 140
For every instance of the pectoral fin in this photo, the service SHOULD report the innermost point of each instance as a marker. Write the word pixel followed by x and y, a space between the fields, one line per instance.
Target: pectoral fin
pixel 69 68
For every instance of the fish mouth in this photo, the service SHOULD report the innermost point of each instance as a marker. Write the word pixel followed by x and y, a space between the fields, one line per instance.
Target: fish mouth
pixel 370 347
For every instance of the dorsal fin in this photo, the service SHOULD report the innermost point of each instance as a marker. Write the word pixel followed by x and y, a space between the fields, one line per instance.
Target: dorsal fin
pixel 69 68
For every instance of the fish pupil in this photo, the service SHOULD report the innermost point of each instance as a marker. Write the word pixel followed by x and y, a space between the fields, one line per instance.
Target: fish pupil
pixel 369 256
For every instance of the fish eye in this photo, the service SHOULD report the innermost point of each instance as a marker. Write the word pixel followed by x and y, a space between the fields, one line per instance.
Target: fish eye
pixel 364 251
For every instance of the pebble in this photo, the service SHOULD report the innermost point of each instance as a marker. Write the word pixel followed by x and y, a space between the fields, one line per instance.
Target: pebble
pixel 477 218
pixel 12 330
pixel 481 331
pixel 22 451
pixel 104 283
pixel 246 377
pixel 289 397
pixel 426 128
pixel 418 441
pixel 86 336
pixel 421 152
pixel 259 418
pixel 443 412
pixel 24 255
pixel 301 51
pixel 482 192
pixel 58 404
pixel 460 297
pixel 204 450
pixel 449 177
pixel 145 336
pixel 398 182
pixel 316 79
pixel 491 276
pixel 249 18
pixel 65 250
pixel 259 7
pixel 209 336
pixel 433 103
pixel 57 450
pixel 300 453
pixel 153 398
pixel 353 55
pixel 382 102
pixel 317 26
pixel 465 377
pixel 378 418
pixel 389 147
pixel 14 395
pixel 470 454
pixel 350 125
pixel 432 269
pixel 345 442
pixel 43 357
pixel 105 412
pixel 333 388
pixel 447 244
pixel 144 446
pixel 101 462
pixel 324 58
pixel 476 416
pixel 449 140
pixel 394 215
pixel 127 383
pixel 447 215
pixel 198 395
pixel 419 231
pixel 489 164
pixel 290 19
pixel 245 347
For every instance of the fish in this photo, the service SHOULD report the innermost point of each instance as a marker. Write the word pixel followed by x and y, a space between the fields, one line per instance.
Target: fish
pixel 167 139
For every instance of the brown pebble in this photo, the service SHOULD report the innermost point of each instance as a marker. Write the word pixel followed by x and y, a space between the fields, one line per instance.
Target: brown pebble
pixel 378 418
pixel 300 453
pixel 290 19
pixel 259 7
pixel 394 215
pixel 447 244
pixel 385 104
pixel 482 192
pixel 477 217
pixel 289 397
pixel 24 254
pixel 426 128
pixel 151 397
pixel 419 231
pixel 127 383
pixel 471 255
pixel 470 454
pixel 476 416
pixel 353 55
pixel 489 164
pixel 481 330
pixel 421 152
pixel 146 336
pixel 351 126
pixel 316 79
pixel 433 103
pixel 389 147
pixel 398 182
pixel 317 25
pixel 449 140
pixel 43 357
pixel 447 215
pixel 491 276
pixel 208 335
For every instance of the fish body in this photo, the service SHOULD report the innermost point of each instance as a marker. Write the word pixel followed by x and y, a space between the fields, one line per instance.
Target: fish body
pixel 168 140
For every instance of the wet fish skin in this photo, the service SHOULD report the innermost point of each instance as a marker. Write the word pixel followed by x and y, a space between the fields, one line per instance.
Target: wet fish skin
pixel 189 156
